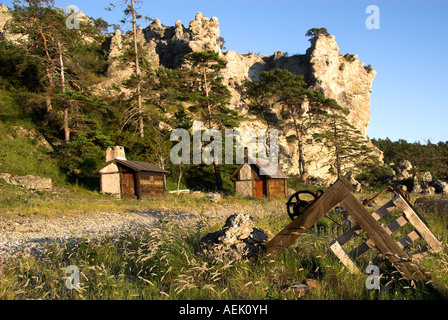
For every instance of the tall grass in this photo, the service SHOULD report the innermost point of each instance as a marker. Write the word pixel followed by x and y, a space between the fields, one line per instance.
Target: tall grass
pixel 163 262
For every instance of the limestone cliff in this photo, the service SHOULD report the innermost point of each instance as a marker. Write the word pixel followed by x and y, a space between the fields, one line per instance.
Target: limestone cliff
pixel 166 45
pixel 324 68
pixel 5 16
pixel 338 76
pixel 341 77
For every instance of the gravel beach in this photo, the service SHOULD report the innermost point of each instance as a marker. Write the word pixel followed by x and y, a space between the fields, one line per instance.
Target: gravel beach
pixel 29 234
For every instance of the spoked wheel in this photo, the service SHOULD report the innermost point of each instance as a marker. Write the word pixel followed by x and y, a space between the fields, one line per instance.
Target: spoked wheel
pixel 298 202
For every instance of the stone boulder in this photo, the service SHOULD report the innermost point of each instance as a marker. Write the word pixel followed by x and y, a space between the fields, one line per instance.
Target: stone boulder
pixel 236 240
pixel 204 34
pixel 354 183
pixel 428 190
pixel 214 197
pixel 28 181
pixel 440 186
pixel 417 188
pixel 431 204
pixel 402 170
pixel 425 178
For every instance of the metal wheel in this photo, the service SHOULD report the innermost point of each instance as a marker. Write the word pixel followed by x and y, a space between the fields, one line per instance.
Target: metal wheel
pixel 296 205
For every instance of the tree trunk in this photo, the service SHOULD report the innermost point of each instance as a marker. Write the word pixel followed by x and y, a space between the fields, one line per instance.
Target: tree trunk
pixel 218 177
pixel 49 106
pixel 179 179
pixel 303 170
pixel 336 149
pixel 216 169
pixel 49 111
pixel 64 102
pixel 137 73
pixel 209 110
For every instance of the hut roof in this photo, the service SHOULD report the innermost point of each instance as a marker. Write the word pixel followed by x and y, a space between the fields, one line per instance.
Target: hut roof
pixel 266 168
pixel 136 165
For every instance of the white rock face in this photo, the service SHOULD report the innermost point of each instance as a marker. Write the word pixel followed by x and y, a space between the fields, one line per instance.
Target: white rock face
pixel 341 77
pixel 204 34
pixel 4 16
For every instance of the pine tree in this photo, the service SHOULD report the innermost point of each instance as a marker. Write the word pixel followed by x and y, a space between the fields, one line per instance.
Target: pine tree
pixel 61 55
pixel 315 32
pixel 130 11
pixel 347 149
pixel 282 87
pixel 200 82
pixel 35 21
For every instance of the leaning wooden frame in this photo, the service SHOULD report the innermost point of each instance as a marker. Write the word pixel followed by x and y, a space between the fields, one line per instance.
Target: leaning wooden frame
pixel 367 224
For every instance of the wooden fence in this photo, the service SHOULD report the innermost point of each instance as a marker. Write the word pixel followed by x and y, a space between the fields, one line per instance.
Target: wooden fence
pixel 367 224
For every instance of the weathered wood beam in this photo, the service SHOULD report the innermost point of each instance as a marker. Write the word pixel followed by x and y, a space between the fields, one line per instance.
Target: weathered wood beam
pixel 383 241
pixel 308 218
pixel 418 224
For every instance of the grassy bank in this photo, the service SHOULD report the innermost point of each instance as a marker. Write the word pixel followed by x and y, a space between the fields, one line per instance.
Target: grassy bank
pixel 163 262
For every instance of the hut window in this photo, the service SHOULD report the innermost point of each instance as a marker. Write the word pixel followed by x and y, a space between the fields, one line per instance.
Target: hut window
pixel 151 179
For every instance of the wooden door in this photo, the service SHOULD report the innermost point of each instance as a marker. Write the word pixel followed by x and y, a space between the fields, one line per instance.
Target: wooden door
pixel 127 185
pixel 259 189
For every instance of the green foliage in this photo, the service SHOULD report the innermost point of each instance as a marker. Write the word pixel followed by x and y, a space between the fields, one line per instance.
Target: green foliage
pixel 17 70
pixel 282 87
pixel 23 154
pixel 432 157
pixel 201 83
pixel 377 176
pixel 183 119
pixel 368 68
pixel 80 157
pixel 349 151
pixel 316 32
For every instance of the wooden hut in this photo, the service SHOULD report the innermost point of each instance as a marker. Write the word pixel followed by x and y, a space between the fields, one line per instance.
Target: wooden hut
pixel 130 179
pixel 258 178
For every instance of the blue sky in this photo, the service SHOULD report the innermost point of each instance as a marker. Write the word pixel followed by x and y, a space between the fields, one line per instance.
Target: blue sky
pixel 409 51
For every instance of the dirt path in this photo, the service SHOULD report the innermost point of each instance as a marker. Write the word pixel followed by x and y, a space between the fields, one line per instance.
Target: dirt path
pixel 29 234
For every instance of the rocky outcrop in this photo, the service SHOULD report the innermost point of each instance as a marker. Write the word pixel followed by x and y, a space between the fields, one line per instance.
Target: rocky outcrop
pixel 204 34
pixel 5 17
pixel 418 182
pixel 432 204
pixel 342 77
pixel 440 186
pixel 338 76
pixel 162 45
pixel 29 134
pixel 237 239
pixel 28 181
pixel 167 45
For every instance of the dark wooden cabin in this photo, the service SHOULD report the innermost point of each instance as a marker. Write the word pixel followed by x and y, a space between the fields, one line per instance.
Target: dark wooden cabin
pixel 254 180
pixel 131 179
